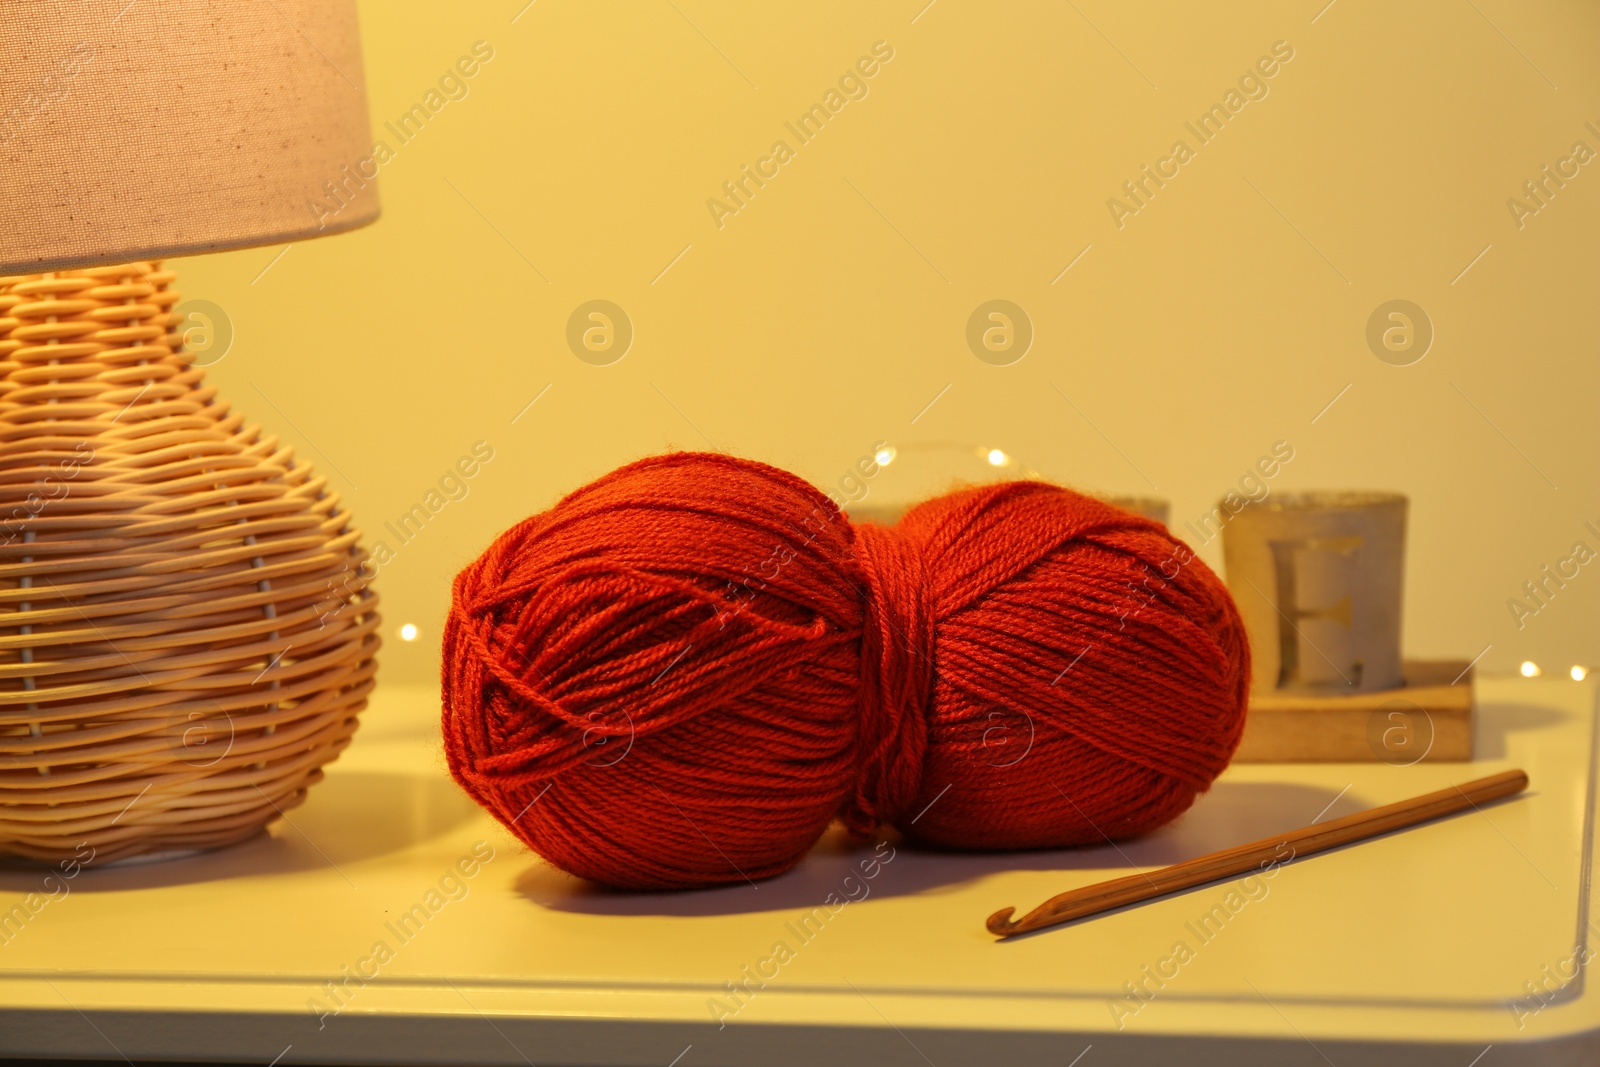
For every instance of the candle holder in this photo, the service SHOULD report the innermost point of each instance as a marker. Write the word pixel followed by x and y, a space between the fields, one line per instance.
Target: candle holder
pixel 1319 580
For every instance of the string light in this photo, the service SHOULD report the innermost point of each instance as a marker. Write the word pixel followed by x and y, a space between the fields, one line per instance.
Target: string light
pixel 1579 673
pixel 998 458
pixel 1530 669
pixel 408 632
pixel 885 455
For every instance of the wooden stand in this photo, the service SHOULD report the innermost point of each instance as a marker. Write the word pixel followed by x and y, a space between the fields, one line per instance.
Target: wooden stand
pixel 1428 719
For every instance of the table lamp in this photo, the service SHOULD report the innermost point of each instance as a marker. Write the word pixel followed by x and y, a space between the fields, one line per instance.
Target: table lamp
pixel 186 632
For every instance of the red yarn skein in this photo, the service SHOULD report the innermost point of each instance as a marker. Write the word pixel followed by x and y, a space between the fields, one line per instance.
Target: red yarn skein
pixel 681 673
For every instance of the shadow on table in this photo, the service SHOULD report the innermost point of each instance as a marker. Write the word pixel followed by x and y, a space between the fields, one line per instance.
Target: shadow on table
pixel 1232 813
pixel 348 817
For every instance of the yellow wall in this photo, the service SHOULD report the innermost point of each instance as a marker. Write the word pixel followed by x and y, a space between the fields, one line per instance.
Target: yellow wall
pixel 828 311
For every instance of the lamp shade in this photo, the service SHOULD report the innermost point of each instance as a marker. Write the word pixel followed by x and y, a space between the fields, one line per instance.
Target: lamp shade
pixel 136 129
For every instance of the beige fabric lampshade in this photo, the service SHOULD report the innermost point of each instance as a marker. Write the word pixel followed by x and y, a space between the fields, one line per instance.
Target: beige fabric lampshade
pixel 137 129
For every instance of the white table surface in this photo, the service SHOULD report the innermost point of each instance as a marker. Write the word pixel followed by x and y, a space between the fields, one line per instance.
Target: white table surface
pixel 1410 949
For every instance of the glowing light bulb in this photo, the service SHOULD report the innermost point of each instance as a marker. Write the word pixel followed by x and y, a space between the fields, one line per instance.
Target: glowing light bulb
pixel 1579 673
pixel 408 632
pixel 885 455
pixel 1530 669
pixel 998 458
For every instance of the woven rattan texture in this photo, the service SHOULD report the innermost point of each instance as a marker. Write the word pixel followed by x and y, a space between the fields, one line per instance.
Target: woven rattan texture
pixel 186 632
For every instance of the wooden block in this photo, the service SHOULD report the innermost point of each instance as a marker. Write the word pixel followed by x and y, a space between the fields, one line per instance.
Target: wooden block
pixel 1428 719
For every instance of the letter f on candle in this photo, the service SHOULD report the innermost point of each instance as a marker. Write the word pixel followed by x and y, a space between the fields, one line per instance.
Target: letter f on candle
pixel 1321 570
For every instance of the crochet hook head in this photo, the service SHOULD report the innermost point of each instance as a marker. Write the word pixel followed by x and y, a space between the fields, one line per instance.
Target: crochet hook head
pixel 1000 923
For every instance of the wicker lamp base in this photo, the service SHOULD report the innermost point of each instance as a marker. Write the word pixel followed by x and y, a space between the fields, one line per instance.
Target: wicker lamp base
pixel 186 632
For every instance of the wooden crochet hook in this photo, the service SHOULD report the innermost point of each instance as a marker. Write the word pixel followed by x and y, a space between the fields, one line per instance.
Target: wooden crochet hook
pixel 1244 859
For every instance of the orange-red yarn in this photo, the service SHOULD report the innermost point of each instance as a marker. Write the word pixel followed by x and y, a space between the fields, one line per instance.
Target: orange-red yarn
pixel 681 673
